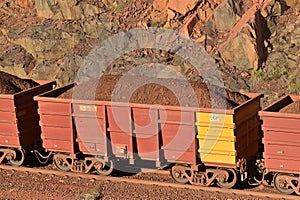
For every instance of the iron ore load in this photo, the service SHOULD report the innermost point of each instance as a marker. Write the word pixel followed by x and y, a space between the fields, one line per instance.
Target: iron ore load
pixel 210 136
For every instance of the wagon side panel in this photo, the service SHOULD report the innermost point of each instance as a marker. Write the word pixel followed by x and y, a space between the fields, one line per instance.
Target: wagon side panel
pixel 120 131
pixel 281 137
pixel 90 124
pixel 56 125
pixel 178 136
pixel 7 103
pixel 216 138
pixel 146 132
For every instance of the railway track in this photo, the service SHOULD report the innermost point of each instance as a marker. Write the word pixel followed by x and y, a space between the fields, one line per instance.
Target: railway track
pixel 149 183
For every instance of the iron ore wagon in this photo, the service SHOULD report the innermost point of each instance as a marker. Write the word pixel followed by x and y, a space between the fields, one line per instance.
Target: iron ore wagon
pixel 281 140
pixel 202 145
pixel 19 123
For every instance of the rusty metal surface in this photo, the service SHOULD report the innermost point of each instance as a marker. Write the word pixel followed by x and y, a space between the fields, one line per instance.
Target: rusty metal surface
pixel 19 118
pixel 247 130
pixel 56 121
pixel 157 133
pixel 281 137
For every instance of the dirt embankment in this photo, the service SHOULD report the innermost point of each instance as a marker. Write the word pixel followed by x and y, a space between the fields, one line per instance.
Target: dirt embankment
pixel 162 91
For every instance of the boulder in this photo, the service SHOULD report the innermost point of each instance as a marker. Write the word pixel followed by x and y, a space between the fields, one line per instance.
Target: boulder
pixel 45 72
pixel 25 3
pixel 295 37
pixel 170 72
pixel 187 29
pixel 225 18
pixel 170 14
pixel 292 3
pixel 88 10
pixel 182 6
pixel 17 70
pixel 64 9
pixel 67 9
pixel 157 14
pixel 276 9
pixel 28 44
pixel 241 53
pixel 45 8
pixel 160 5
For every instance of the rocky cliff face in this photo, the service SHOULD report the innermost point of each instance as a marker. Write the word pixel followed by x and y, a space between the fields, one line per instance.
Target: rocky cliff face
pixel 255 44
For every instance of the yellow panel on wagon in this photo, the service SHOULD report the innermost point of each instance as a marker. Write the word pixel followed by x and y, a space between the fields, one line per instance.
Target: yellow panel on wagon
pixel 212 119
pixel 218 157
pixel 216 138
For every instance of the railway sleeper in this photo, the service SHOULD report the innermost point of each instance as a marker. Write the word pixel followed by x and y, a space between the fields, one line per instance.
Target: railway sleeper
pixel 225 178
pixel 67 163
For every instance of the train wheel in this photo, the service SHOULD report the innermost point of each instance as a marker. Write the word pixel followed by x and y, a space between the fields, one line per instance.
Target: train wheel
pixel 230 181
pixel 177 172
pixel 60 163
pixel 104 168
pixel 281 184
pixel 18 159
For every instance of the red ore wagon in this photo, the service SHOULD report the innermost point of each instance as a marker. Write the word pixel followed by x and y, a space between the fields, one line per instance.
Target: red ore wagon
pixel 19 123
pixel 281 139
pixel 202 145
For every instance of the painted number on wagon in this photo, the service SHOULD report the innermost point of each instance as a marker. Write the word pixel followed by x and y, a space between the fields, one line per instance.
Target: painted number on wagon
pixel 88 108
pixel 214 118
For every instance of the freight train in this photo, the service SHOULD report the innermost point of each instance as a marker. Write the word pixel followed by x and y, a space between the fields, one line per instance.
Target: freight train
pixel 202 146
